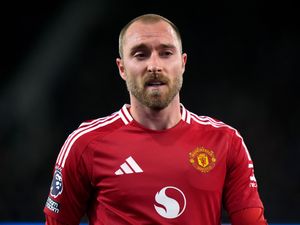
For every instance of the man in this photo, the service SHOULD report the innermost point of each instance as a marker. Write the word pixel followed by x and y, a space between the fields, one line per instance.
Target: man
pixel 153 161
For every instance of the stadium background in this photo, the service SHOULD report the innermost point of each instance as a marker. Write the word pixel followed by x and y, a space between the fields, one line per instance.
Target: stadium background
pixel 58 69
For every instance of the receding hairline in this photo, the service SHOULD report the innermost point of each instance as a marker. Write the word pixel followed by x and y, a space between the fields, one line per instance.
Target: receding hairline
pixel 147 18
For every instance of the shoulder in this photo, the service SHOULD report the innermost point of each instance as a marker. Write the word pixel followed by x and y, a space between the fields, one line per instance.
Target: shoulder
pixel 90 129
pixel 211 123
pixel 76 143
pixel 218 127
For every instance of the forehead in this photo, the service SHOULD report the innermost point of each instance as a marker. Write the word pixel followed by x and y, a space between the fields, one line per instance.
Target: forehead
pixel 146 33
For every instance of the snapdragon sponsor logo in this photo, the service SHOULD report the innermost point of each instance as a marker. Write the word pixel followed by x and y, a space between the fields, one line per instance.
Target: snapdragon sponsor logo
pixel 171 202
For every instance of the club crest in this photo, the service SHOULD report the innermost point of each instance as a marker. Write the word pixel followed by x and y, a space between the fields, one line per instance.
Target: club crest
pixel 202 159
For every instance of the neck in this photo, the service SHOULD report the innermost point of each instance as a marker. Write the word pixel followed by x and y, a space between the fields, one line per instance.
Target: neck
pixel 156 119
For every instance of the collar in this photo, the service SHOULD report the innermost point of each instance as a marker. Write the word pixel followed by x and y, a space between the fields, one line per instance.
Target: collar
pixel 127 118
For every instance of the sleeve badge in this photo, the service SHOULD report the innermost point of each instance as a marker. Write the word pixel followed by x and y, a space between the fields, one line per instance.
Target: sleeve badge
pixel 57 183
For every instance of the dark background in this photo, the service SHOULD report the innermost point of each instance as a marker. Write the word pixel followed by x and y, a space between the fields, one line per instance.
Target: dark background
pixel 57 68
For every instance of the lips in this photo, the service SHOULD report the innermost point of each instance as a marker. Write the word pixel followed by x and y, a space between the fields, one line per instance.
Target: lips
pixel 155 80
pixel 154 83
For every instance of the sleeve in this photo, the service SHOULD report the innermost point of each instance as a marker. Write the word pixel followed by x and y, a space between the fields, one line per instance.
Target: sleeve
pixel 250 216
pixel 71 184
pixel 51 221
pixel 240 191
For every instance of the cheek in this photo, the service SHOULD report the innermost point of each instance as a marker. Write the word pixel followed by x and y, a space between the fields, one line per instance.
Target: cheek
pixel 175 65
pixel 176 70
pixel 134 68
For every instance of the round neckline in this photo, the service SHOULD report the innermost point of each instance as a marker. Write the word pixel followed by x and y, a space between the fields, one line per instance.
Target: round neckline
pixel 137 124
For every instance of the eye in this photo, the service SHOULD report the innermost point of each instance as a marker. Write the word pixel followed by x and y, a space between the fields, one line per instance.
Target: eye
pixel 140 55
pixel 166 53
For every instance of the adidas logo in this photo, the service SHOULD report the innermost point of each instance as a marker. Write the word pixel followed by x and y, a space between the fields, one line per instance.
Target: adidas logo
pixel 130 166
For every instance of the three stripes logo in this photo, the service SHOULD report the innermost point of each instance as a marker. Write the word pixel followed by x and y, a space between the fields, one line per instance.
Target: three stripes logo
pixel 130 166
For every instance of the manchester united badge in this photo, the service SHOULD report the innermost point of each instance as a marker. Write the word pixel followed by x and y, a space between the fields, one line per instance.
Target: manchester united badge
pixel 202 159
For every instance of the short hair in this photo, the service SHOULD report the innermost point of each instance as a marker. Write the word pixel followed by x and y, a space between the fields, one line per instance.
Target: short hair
pixel 147 18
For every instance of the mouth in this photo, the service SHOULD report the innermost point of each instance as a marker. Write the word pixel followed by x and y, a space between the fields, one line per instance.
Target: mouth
pixel 154 83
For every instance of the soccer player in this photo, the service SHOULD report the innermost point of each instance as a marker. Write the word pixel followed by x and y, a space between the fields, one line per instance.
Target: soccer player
pixel 153 161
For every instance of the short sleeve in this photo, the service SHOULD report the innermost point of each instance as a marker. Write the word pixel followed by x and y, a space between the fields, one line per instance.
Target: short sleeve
pixel 240 184
pixel 71 184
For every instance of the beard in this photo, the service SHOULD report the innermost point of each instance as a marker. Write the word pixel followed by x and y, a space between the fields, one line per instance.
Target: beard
pixel 155 99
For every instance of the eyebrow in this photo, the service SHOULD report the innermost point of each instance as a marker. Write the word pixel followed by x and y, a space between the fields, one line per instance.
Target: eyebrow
pixel 137 48
pixel 144 47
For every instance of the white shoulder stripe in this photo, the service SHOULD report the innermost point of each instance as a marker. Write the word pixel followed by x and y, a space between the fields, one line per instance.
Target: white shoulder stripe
pixel 81 127
pixel 96 120
pixel 64 152
pixel 205 120
pixel 201 119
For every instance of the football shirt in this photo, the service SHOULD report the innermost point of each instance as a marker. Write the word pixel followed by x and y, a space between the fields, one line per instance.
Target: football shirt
pixel 119 172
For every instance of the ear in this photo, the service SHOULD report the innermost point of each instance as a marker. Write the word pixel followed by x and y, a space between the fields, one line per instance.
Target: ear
pixel 184 60
pixel 121 68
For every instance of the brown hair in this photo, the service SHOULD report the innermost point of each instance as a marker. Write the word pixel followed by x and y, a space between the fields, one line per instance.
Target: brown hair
pixel 147 18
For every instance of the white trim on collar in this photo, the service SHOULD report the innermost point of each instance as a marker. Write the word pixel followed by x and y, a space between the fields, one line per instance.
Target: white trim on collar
pixel 185 114
pixel 125 115
pixel 127 118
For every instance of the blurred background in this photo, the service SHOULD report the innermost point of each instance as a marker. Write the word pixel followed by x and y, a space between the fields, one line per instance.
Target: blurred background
pixel 58 69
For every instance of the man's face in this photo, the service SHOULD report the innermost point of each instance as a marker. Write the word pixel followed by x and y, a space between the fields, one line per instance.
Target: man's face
pixel 152 63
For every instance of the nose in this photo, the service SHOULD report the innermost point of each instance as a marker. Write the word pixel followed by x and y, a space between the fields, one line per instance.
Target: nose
pixel 154 64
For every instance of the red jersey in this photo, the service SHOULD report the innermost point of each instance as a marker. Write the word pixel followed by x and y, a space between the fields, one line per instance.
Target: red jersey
pixel 119 172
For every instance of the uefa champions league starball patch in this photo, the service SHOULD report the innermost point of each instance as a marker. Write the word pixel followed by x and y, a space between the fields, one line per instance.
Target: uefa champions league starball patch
pixel 202 159
pixel 57 184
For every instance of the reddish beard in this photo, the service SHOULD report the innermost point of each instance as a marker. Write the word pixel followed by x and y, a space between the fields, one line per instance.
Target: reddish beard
pixel 155 98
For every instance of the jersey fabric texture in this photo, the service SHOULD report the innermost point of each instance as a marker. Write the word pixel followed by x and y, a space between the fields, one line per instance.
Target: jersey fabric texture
pixel 119 172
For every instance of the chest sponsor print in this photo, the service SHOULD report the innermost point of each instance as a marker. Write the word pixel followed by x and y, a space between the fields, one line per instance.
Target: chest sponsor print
pixel 170 202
